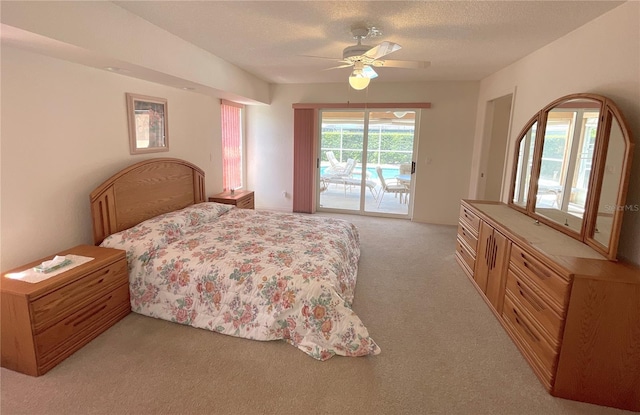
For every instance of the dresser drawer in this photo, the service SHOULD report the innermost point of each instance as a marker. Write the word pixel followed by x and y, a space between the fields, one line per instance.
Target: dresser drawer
pixel 467 257
pixel 470 218
pixel 542 276
pixel 50 308
pixel 542 352
pixel 83 321
pixel 466 235
pixel 528 297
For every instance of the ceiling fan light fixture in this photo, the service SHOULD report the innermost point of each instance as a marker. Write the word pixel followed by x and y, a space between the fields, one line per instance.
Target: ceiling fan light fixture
pixel 358 81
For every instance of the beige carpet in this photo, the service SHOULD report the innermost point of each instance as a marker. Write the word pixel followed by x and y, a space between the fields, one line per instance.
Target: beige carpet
pixel 443 352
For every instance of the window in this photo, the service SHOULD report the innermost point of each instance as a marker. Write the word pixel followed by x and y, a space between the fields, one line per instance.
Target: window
pixel 232 144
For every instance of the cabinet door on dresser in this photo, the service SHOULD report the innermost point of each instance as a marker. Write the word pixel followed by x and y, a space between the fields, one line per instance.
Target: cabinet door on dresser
pixel 491 264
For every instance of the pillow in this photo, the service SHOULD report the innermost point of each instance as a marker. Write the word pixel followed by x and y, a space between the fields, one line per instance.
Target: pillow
pixel 169 227
pixel 160 230
pixel 201 213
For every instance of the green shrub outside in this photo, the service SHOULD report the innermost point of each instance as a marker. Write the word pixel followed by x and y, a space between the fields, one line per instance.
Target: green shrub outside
pixel 390 142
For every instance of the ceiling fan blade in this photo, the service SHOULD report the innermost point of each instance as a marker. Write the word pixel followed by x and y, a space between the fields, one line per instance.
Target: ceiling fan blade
pixel 369 72
pixel 346 65
pixel 382 49
pixel 323 57
pixel 388 63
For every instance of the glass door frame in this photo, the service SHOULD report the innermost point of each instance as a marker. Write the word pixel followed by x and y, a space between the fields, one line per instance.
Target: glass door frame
pixel 363 188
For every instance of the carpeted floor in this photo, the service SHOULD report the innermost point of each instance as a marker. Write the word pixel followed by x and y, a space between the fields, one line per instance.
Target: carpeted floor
pixel 443 352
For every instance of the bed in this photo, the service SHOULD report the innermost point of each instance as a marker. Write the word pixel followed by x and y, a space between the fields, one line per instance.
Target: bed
pixel 259 275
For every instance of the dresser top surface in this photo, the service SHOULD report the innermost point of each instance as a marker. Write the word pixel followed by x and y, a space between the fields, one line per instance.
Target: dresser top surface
pixel 539 235
pixel 571 255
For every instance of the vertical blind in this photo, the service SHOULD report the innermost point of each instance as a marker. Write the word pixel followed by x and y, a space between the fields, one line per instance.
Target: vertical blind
pixel 304 160
pixel 231 120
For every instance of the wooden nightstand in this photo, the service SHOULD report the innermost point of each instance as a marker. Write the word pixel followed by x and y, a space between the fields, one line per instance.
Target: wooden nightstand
pixel 43 323
pixel 240 198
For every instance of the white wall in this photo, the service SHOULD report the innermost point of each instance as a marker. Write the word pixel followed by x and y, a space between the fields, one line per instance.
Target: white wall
pixel 99 33
pixel 64 131
pixel 444 145
pixel 601 57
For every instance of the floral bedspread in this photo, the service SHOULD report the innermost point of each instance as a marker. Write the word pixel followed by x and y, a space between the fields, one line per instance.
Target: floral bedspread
pixel 254 274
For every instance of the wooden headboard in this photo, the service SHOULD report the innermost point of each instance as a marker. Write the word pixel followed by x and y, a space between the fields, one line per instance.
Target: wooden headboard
pixel 142 191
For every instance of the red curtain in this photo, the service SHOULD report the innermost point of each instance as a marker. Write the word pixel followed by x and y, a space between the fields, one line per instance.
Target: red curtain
pixel 231 120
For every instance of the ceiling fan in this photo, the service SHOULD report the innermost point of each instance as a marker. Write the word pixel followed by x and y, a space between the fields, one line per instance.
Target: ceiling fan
pixel 364 58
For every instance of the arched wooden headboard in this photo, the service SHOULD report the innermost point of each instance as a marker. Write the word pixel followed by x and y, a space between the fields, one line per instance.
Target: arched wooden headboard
pixel 144 190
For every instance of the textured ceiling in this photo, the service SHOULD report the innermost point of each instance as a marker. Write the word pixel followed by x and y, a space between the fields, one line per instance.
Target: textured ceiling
pixel 463 40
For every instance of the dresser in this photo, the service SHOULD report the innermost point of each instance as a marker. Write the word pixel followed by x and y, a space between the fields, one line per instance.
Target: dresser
pixel 45 322
pixel 574 315
pixel 242 199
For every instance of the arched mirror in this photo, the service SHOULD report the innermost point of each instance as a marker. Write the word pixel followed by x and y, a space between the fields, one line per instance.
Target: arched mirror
pixel 524 164
pixel 566 161
pixel 571 169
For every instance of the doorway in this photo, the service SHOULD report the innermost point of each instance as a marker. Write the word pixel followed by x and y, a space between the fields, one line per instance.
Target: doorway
pixel 498 121
pixel 366 161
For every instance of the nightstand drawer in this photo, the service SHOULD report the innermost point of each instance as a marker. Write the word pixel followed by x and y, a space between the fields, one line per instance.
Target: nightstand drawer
pixel 64 333
pixel 44 322
pixel 242 199
pixel 50 308
pixel 246 202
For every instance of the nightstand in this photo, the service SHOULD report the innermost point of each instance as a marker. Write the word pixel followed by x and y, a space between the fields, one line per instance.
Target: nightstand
pixel 242 199
pixel 45 322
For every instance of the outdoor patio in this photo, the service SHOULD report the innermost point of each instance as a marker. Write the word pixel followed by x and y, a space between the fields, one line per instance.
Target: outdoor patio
pixel 347 197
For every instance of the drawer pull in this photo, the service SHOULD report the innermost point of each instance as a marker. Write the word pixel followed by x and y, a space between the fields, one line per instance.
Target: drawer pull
pixel 526 294
pixel 525 327
pixel 540 273
pixel 81 318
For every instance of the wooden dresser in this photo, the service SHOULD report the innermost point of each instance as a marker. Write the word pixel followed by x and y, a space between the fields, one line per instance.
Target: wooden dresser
pixel 574 315
pixel 242 199
pixel 45 322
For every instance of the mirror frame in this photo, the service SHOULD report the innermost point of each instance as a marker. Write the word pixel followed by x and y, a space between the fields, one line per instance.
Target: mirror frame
pixel 608 112
pixel 514 173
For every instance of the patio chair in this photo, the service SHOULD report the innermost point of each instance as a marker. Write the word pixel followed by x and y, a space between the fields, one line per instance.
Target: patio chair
pixel 335 166
pixel 341 172
pixel 333 160
pixel 392 187
pixel 357 182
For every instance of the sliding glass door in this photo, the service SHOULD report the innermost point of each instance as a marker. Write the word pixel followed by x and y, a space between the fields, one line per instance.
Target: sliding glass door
pixel 377 181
